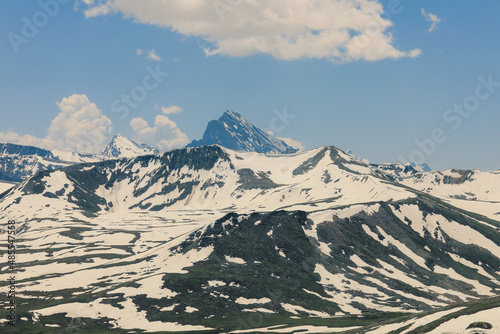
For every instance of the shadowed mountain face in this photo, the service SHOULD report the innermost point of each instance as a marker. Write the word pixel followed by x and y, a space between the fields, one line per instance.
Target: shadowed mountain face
pixel 18 162
pixel 234 132
pixel 24 150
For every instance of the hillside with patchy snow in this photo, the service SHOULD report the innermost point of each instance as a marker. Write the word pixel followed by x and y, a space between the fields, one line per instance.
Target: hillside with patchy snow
pixel 208 238
pixel 207 177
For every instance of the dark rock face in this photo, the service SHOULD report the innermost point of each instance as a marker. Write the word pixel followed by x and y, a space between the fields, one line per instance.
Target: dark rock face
pixel 24 150
pixel 236 133
pixel 18 162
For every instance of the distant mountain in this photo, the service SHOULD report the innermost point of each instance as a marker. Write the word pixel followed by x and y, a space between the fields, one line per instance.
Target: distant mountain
pixel 21 150
pixel 19 162
pixel 396 170
pixel 212 177
pixel 421 167
pixel 232 131
pixel 122 147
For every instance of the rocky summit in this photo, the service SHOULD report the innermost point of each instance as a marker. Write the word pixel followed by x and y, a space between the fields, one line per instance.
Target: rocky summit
pixel 232 131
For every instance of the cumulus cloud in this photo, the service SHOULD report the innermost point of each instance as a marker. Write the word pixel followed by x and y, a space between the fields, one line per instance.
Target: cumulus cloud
pixel 431 18
pixel 15 138
pixel 95 9
pixel 151 54
pixel 338 30
pixel 171 110
pixel 164 134
pixel 80 126
pixel 293 143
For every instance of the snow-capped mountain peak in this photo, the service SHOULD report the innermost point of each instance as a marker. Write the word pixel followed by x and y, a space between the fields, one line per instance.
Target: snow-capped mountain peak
pixel 18 162
pixel 122 147
pixel 235 116
pixel 233 131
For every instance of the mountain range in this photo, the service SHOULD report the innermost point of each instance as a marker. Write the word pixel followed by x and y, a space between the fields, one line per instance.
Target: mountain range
pixel 18 162
pixel 212 239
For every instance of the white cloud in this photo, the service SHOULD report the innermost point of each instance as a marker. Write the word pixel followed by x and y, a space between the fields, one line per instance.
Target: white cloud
pixel 339 30
pixel 431 18
pixel 151 54
pixel 293 143
pixel 80 126
pixel 164 134
pixel 96 9
pixel 15 138
pixel 171 110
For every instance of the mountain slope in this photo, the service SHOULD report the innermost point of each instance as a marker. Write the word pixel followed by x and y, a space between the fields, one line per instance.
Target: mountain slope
pixel 474 317
pixel 18 162
pixel 187 270
pixel 208 238
pixel 122 147
pixel 209 177
pixel 472 185
pixel 4 186
pixel 472 190
pixel 232 131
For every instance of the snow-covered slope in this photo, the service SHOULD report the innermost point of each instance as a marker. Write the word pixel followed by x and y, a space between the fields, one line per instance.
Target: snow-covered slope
pixel 232 131
pixel 396 171
pixel 478 317
pixel 212 177
pixel 147 270
pixel 18 162
pixel 4 186
pixel 122 147
pixel 474 185
pixel 472 190
pixel 75 157
pixel 208 177
pixel 219 235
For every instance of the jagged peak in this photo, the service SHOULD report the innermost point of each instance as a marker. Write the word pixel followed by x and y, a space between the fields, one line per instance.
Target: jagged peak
pixel 233 131
pixel 123 147
pixel 118 136
pixel 232 114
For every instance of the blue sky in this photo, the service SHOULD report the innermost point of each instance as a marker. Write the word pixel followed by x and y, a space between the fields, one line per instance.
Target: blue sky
pixel 390 99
